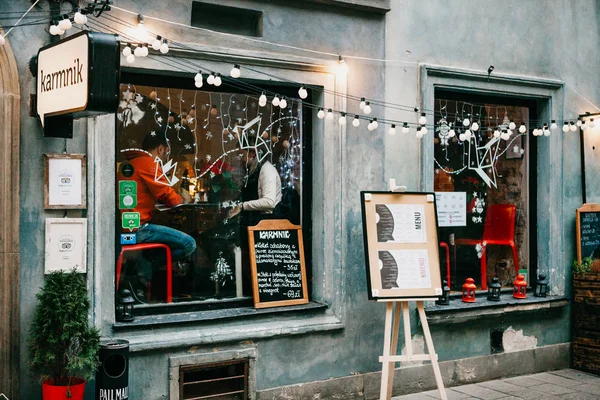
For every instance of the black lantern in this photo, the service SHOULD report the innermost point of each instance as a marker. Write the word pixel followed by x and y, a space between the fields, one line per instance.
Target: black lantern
pixel 444 299
pixel 494 290
pixel 541 286
pixel 125 307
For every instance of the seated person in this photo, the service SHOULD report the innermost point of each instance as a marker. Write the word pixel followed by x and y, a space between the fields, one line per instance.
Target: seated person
pixel 153 187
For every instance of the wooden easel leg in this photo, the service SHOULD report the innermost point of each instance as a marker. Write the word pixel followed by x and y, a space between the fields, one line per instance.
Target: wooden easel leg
pixel 393 349
pixel 387 376
pixel 431 351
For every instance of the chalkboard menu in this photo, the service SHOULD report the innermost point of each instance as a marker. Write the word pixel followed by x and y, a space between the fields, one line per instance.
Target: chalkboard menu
pixel 588 231
pixel 277 261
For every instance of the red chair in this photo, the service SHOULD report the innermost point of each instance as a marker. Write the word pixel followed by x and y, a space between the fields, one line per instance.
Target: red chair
pixel 146 246
pixel 499 230
pixel 444 246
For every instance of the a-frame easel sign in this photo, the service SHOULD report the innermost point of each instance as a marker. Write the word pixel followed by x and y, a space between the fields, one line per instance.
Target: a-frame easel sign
pixel 403 264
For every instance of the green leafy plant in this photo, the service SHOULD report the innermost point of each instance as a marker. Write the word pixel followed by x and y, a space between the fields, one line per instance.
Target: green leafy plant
pixel 582 267
pixel 62 344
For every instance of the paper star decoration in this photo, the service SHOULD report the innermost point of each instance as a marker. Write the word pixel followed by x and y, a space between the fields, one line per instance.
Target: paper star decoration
pixel 164 178
pixel 209 135
pixel 153 133
pixel 491 146
pixel 139 98
pixel 516 149
pixel 159 119
pixel 258 142
pixel 153 106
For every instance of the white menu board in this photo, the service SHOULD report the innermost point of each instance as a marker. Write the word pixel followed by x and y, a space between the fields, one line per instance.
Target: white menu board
pixel 404 269
pixel 400 223
pixel 451 208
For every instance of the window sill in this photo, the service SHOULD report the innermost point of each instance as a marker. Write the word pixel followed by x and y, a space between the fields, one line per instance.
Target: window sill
pixel 150 333
pixel 459 312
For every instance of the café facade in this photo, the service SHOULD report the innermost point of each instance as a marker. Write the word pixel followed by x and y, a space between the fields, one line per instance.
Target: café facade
pixel 195 319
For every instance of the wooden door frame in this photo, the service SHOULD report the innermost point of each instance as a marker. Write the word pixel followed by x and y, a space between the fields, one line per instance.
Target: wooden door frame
pixel 10 118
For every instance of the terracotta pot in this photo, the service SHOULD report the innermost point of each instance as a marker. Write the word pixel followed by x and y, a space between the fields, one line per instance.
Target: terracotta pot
pixel 52 392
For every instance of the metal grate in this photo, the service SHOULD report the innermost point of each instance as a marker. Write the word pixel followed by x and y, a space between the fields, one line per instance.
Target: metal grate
pixel 226 380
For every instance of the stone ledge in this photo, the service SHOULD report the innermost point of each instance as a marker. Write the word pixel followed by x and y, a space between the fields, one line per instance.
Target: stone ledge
pixel 375 6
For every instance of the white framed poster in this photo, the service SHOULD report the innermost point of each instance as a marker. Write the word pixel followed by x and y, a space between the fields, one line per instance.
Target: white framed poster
pixel 66 244
pixel 64 181
pixel 451 208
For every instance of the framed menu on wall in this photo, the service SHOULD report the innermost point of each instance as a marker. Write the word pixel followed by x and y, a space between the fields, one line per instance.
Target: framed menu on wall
pixel 401 245
pixel 66 244
pixel 64 181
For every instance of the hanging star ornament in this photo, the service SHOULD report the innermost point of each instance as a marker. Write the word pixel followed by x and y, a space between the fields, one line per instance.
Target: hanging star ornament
pixel 479 165
pixel 257 142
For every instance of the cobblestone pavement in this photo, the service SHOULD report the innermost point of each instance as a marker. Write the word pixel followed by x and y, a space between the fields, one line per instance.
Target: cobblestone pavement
pixel 564 384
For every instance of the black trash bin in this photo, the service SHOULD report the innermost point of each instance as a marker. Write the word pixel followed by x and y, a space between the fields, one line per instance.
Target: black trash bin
pixel 112 377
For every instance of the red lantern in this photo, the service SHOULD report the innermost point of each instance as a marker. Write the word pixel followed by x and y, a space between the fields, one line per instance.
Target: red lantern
pixel 520 288
pixel 468 294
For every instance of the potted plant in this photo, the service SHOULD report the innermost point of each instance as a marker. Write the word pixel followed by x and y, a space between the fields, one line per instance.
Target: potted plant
pixel 63 347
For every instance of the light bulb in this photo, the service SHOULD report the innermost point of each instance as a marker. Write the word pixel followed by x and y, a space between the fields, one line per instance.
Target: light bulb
pixel 553 126
pixel 367 108
pixel 578 123
pixel 424 130
pixel 522 128
pixel 573 127
pixel 547 132
pixel 342 119
pixel 405 128
pixel 198 76
pixel 419 134
pixel 356 121
pixel 275 101
pixel 462 137
pixel 329 114
pixel 262 100
pixel 145 50
pixel 496 133
pixel 392 130
pixel 320 114
pixel 343 65
pixel 156 43
pixel 474 126
pixel 592 123
pixel 130 58
pixel 211 79
pixel 218 80
pixel 235 71
pixel 302 92
pixel 375 124
pixel 283 103
pixel 422 119
pixel 140 23
pixel 466 122
pixel 53 31
pixel 451 133
pixel 371 127
pixel 138 51
pixel 512 125
pixel 60 32
pixel 127 50
pixel 565 127
pixel 80 19
pixel 362 103
pixel 198 84
pixel 65 24
pixel 164 47
pixel 468 134
pixel 584 126
pixel 505 135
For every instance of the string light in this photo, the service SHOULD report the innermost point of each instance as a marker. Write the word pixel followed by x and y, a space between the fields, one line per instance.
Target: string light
pixel 211 79
pixel 553 125
pixel 367 108
pixel 80 19
pixel 356 121
pixel 371 126
pixel 405 128
pixel 565 127
pixel 592 123
pixel 362 103
pixel 583 126
pixel 130 58
pixel 54 30
pixel 145 50
pixel 496 133
pixel 512 125
pixel 461 137
pixel 127 50
pixel 424 130
pixel 392 130
pixel 466 122
pixel 342 119
pixel 321 113
pixel 546 132
pixel 140 24
pixel 164 47
pixel 138 51
pixel 573 127
pixel 475 126
pixel 578 123
pixel 329 114
pixel 422 119
pixel 262 100
pixel 156 43
pixel 523 128
pixel 451 133
pixel 419 134
pixel 468 134
pixel 375 124
pixel 65 23
pixel 343 65
pixel 218 80
pixel 302 92
pixel 275 101
pixel 235 71
pixel 505 135
pixel 283 103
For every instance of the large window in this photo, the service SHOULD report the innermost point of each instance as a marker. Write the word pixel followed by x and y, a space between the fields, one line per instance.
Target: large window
pixel 218 148
pixel 484 182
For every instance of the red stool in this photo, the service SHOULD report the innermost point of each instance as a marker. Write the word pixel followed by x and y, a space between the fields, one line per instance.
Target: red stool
pixel 444 245
pixel 146 246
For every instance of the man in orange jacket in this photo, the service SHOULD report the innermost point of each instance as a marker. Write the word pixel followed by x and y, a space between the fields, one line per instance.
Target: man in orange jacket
pixel 153 187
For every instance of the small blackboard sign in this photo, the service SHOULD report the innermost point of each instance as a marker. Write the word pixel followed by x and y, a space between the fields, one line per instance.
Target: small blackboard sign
pixel 277 261
pixel 588 231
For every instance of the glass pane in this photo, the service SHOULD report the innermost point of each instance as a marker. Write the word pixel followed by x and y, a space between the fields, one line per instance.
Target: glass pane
pixel 221 149
pixel 481 180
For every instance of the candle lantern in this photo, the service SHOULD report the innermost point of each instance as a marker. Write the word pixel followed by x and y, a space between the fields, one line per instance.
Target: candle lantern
pixel 125 307
pixel 468 294
pixel 520 288
pixel 541 286
pixel 444 299
pixel 494 290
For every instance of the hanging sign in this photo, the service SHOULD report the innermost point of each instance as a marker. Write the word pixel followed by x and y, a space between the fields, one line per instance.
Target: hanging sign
pixel 79 74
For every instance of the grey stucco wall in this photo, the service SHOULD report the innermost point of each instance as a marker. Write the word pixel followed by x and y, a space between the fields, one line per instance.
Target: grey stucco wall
pixel 535 38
